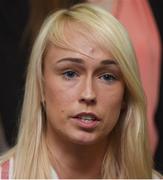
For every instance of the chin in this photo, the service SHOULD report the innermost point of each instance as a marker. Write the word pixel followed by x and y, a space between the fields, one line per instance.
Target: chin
pixel 85 139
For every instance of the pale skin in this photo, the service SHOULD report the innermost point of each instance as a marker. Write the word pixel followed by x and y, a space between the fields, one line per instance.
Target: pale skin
pixel 87 81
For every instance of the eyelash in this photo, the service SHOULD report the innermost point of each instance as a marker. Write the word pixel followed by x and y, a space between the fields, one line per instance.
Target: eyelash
pixel 108 77
pixel 70 74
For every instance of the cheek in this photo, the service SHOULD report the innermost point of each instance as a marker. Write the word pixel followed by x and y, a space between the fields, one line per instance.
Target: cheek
pixel 55 98
pixel 58 97
pixel 55 102
pixel 112 105
pixel 112 98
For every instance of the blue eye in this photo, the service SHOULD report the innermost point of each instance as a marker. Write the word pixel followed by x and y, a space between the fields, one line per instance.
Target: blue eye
pixel 108 77
pixel 70 74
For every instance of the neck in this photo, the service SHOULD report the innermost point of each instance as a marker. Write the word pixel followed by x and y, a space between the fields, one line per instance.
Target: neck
pixel 74 161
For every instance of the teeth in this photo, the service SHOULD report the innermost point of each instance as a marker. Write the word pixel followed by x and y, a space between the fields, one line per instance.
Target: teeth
pixel 87 118
pixel 86 121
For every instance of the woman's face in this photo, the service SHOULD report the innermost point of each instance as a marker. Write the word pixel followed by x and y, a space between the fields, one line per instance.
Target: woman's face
pixel 83 91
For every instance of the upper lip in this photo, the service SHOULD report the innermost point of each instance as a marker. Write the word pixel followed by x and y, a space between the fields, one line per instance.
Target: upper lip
pixel 87 114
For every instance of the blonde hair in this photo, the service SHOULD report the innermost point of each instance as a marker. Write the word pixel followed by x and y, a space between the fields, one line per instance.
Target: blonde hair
pixel 128 154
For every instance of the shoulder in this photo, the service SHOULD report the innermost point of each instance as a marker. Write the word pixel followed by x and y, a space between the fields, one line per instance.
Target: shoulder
pixel 156 175
pixel 6 169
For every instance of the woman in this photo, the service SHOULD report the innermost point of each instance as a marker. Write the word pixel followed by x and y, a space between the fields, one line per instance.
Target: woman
pixel 83 114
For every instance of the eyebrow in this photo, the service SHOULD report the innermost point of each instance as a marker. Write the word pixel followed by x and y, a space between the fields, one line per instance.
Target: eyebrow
pixel 80 61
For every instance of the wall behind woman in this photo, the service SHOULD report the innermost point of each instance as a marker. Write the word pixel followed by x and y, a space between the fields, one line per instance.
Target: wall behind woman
pixel 39 9
pixel 13 17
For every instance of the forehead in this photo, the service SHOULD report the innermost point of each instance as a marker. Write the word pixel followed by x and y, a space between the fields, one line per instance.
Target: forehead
pixel 82 40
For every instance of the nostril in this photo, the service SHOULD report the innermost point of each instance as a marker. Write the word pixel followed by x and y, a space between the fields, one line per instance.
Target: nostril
pixel 88 101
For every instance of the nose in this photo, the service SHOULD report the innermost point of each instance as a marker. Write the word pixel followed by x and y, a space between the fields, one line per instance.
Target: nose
pixel 88 95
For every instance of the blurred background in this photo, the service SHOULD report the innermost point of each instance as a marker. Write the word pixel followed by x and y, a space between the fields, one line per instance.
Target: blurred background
pixel 20 21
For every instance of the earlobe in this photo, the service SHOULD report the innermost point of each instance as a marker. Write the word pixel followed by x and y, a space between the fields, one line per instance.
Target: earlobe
pixel 43 103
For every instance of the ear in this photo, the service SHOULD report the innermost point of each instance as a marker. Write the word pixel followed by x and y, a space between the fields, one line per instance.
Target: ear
pixel 42 98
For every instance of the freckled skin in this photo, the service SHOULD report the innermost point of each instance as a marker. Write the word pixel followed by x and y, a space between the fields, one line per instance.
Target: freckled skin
pixel 63 96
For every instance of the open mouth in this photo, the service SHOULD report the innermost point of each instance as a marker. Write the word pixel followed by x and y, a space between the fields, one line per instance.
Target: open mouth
pixel 86 120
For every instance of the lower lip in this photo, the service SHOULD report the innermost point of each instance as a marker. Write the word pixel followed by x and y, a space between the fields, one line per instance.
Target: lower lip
pixel 86 125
